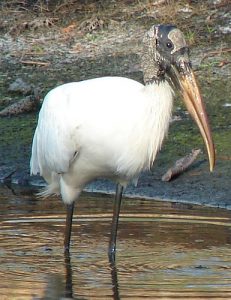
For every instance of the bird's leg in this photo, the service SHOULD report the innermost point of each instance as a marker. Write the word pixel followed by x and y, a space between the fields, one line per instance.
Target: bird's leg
pixel 115 219
pixel 67 233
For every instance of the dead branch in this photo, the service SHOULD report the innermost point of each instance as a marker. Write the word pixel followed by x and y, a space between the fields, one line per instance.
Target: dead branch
pixel 25 105
pixel 215 52
pixel 181 165
pixel 34 62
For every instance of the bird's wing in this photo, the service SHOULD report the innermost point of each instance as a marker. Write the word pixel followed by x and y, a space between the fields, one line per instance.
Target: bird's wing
pixel 84 114
pixel 54 146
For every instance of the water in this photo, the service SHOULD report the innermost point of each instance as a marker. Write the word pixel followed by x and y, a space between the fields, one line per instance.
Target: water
pixel 165 250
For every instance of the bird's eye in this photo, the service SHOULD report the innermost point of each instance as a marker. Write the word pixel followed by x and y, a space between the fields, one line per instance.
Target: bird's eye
pixel 169 45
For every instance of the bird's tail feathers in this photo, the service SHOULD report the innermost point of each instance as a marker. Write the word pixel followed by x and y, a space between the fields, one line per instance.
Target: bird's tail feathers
pixel 50 189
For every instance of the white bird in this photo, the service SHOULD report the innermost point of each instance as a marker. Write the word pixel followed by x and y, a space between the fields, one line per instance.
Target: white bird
pixel 113 127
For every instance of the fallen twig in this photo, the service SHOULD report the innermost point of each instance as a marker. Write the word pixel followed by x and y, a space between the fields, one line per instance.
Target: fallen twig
pixel 33 62
pixel 215 52
pixel 32 53
pixel 181 165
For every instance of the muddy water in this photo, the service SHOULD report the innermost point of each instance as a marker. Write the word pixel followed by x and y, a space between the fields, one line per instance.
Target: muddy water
pixel 165 250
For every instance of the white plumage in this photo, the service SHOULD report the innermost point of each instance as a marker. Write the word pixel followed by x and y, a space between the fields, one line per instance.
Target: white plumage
pixel 105 127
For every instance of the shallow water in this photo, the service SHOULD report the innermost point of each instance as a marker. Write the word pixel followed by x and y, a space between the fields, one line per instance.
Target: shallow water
pixel 164 250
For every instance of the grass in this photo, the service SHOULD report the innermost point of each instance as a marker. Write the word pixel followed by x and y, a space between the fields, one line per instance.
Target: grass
pixel 191 37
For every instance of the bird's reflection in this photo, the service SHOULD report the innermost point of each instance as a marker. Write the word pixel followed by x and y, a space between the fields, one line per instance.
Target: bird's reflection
pixel 114 279
pixel 68 293
pixel 68 286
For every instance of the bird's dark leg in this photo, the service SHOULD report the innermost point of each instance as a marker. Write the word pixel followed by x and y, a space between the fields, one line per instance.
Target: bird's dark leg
pixel 115 219
pixel 67 233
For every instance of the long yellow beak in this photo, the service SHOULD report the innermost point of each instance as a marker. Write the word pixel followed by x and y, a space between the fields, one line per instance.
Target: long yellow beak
pixel 195 105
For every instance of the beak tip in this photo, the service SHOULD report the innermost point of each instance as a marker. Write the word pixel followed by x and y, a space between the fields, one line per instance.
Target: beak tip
pixel 212 161
pixel 212 167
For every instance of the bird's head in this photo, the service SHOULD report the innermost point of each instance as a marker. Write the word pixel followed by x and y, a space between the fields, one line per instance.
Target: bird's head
pixel 166 57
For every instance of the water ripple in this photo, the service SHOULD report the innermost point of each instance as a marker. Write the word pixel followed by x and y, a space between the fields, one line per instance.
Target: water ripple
pixel 163 251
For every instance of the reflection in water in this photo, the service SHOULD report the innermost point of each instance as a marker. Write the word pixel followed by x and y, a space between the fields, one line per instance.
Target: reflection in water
pixel 68 286
pixel 55 288
pixel 114 280
pixel 165 251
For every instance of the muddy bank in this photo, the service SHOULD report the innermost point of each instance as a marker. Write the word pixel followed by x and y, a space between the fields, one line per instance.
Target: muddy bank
pixel 80 52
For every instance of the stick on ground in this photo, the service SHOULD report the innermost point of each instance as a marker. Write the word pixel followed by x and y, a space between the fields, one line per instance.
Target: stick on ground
pixel 181 165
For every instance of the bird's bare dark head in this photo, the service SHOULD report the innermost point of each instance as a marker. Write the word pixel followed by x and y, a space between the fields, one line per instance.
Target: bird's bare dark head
pixel 164 46
pixel 166 56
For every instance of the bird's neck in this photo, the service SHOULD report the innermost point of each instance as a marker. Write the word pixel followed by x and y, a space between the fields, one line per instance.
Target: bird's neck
pixel 160 96
pixel 152 70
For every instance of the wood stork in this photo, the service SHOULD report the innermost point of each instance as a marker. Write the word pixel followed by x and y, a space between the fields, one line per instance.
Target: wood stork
pixel 113 127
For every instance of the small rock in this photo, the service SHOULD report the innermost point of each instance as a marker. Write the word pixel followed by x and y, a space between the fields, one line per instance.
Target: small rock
pixel 6 173
pixel 20 177
pixel 20 86
pixel 185 9
pixel 225 29
pixel 227 105
pixel 28 104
